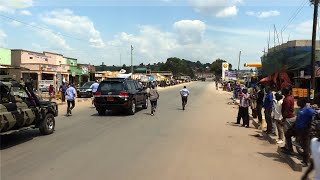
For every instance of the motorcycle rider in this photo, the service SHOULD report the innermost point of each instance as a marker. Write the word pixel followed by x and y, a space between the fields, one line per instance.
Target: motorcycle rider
pixel 300 130
pixel 184 96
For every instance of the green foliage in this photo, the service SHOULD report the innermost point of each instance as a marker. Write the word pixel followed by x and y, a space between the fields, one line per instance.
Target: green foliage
pixel 216 67
pixel 181 67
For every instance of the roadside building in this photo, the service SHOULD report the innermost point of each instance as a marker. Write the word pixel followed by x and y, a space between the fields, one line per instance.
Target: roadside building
pixel 85 73
pixel 290 64
pixel 7 70
pixel 43 68
pixel 74 72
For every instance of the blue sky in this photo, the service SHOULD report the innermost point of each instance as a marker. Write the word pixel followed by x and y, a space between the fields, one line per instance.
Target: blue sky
pixel 96 31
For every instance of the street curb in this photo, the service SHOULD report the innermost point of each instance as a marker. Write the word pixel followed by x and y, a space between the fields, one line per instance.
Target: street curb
pixel 272 139
pixel 77 100
pixel 292 161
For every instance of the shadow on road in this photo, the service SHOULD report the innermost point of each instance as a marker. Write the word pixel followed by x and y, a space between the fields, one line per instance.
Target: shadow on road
pixel 118 113
pixel 258 136
pixel 275 156
pixel 8 141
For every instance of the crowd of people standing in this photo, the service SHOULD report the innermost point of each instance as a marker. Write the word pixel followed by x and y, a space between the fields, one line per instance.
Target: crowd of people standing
pixel 282 119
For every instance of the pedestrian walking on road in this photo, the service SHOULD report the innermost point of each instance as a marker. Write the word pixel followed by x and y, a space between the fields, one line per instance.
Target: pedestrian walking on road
pixel 184 96
pixel 217 84
pixel 51 92
pixel 63 90
pixel 244 108
pixel 277 116
pixel 268 103
pixel 70 93
pixel 94 88
pixel 153 96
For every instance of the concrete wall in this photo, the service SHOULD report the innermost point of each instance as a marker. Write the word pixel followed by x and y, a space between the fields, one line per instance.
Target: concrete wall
pixel 16 58
pixel 72 62
pixel 295 43
pixel 5 56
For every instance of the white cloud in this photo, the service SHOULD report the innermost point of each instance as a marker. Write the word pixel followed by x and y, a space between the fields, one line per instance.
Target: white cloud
pixel 190 31
pixel 304 27
pixel 218 8
pixel 10 6
pixel 238 31
pixel 15 23
pixel 52 39
pixel 263 14
pixel 152 45
pixel 71 23
pixel 25 12
pixel 56 40
pixel 228 11
pixel 3 37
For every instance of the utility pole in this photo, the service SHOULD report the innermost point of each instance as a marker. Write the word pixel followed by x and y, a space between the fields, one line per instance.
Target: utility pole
pixel 131 60
pixel 313 53
pixel 239 64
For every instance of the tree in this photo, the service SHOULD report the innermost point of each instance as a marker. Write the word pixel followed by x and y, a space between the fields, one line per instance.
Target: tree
pixel 230 67
pixel 216 67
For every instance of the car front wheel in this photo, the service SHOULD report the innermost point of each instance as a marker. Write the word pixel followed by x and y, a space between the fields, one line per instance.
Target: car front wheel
pixel 47 125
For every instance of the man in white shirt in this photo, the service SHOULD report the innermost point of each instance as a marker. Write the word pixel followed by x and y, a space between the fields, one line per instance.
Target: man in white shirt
pixel 184 96
pixel 70 93
pixel 94 87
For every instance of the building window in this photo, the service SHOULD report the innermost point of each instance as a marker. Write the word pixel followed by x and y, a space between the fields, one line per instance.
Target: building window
pixel 30 57
pixel 46 59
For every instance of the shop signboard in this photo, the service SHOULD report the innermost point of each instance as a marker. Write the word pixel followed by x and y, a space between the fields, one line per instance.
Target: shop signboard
pixel 225 67
pixel 59 79
pixel 44 85
pixel 85 70
pixel 230 75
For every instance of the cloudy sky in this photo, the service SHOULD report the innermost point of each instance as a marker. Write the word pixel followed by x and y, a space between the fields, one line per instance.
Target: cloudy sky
pixel 96 31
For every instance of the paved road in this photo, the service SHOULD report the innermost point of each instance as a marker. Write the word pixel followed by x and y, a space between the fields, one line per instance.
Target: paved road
pixel 200 143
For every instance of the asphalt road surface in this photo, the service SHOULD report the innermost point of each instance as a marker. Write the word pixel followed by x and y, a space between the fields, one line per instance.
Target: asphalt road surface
pixel 200 143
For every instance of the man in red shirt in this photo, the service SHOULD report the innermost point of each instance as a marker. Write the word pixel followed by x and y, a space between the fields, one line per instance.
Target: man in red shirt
pixel 287 108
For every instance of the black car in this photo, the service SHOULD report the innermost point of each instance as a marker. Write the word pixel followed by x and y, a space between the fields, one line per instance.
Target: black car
pixel 85 90
pixel 120 93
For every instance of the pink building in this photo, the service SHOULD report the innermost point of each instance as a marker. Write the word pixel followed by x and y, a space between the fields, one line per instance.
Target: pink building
pixel 42 66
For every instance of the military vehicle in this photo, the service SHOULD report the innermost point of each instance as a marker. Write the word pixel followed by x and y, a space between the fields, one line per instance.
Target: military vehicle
pixel 21 109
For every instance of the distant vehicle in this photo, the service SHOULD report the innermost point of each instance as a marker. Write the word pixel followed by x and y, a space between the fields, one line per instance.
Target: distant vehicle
pixel 85 90
pixel 120 93
pixel 203 79
pixel 21 109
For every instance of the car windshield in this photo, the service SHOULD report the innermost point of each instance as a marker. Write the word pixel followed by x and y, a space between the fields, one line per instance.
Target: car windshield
pixel 87 84
pixel 111 86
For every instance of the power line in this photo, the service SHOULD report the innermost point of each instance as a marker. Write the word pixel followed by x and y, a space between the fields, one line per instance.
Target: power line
pixel 49 30
pixel 40 28
pixel 295 14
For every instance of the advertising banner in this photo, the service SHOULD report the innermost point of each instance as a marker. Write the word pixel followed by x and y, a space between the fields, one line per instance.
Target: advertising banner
pixel 225 67
pixel 44 85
